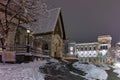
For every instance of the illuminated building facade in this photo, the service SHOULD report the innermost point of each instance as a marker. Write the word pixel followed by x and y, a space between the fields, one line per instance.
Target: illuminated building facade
pixel 91 52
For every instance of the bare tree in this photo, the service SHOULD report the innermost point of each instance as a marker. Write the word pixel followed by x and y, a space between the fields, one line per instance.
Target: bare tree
pixel 114 52
pixel 5 24
pixel 32 10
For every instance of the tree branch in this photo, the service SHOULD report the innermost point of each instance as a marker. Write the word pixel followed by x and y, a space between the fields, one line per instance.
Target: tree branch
pixel 6 15
pixel 17 13
pixel 2 25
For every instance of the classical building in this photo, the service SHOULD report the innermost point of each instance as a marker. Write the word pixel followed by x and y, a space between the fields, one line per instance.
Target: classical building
pixel 91 52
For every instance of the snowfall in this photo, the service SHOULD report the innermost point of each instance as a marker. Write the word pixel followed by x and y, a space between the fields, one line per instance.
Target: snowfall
pixel 93 72
pixel 24 71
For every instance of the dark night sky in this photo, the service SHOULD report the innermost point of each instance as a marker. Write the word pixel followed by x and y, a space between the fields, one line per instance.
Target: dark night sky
pixel 84 20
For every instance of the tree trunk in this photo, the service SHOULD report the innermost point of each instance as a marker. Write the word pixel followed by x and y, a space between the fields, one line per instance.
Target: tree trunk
pixel 3 42
pixel 3 55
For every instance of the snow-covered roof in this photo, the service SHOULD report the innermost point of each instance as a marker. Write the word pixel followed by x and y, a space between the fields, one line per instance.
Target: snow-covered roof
pixel 105 37
pixel 92 43
pixel 48 23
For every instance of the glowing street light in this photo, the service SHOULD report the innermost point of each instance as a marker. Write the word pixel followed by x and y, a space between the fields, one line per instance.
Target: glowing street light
pixel 28 43
pixel 28 31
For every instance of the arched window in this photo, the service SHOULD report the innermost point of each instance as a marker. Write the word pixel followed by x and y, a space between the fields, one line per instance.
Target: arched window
pixel 45 46
pixel 17 38
pixel 94 48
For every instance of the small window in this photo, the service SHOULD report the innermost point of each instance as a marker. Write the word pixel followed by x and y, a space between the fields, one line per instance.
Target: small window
pixel 101 47
pixel 77 49
pixel 81 49
pixel 86 48
pixel 71 48
pixel 106 47
pixel 94 48
pixel 46 46
pixel 89 48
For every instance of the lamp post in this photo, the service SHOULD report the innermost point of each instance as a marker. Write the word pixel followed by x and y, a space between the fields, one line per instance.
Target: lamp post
pixel 28 43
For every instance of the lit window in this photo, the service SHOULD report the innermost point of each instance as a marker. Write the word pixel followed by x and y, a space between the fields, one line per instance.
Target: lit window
pixel 71 48
pixel 77 49
pixel 71 53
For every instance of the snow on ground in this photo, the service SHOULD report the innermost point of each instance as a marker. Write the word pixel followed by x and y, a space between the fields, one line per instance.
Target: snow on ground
pixel 92 71
pixel 103 66
pixel 116 68
pixel 52 60
pixel 24 71
pixel 76 74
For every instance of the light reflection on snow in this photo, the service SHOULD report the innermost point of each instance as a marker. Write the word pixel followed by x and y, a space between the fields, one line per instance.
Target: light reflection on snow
pixel 117 64
pixel 92 71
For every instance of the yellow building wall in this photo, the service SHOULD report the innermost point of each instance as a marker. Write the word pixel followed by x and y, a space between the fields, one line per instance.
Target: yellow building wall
pixel 57 45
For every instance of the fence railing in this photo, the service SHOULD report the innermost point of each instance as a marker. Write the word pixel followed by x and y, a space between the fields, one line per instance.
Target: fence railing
pixel 23 49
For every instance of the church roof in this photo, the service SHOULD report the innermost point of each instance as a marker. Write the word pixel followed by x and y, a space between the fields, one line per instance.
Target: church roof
pixel 47 24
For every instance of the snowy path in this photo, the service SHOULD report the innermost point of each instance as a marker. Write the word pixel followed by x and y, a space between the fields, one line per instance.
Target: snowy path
pixel 24 71
pixel 112 75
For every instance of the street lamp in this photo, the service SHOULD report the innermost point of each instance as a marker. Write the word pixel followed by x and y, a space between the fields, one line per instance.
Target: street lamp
pixel 28 43
pixel 28 31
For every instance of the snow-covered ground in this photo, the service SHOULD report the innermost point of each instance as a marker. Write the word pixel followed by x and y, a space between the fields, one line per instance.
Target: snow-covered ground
pixel 117 68
pixel 103 66
pixel 24 71
pixel 92 71
pixel 52 60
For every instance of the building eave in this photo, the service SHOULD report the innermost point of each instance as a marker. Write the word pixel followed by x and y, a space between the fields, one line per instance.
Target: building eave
pixel 45 33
